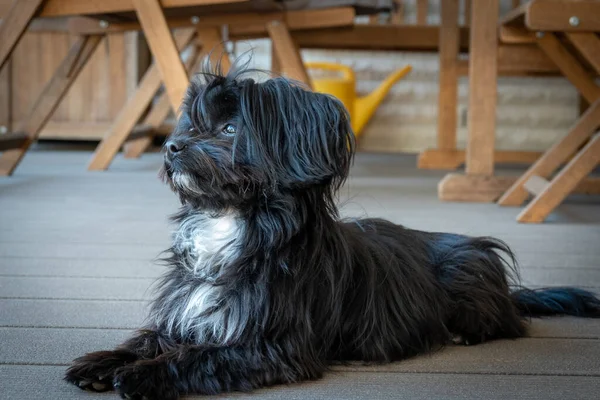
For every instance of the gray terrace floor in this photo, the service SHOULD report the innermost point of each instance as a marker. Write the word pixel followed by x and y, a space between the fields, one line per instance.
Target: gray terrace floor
pixel 76 251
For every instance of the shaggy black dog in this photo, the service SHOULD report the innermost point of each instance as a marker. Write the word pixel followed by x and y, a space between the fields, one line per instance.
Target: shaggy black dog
pixel 266 285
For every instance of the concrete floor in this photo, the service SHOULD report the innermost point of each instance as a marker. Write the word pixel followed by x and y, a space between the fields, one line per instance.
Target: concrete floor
pixel 76 251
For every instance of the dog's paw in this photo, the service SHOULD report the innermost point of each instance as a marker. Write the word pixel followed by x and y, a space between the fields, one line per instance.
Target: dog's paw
pixel 95 371
pixel 145 380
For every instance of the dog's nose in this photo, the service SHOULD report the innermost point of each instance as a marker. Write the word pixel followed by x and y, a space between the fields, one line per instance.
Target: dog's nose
pixel 174 147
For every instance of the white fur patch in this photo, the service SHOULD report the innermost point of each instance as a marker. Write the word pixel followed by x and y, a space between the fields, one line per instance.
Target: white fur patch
pixel 209 244
pixel 208 241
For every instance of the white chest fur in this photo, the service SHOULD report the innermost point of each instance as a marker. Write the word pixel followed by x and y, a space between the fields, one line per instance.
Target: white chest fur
pixel 208 241
pixel 207 244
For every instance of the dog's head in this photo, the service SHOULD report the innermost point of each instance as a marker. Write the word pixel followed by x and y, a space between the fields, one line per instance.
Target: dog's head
pixel 238 141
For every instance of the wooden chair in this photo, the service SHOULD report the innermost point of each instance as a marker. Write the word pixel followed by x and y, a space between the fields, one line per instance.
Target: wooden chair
pixel 567 32
pixel 155 19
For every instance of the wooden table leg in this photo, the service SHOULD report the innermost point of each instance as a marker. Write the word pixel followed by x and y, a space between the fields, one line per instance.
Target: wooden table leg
pixel 483 75
pixel 50 98
pixel 14 24
pixel 163 49
pixel 448 93
pixel 479 183
pixel 133 110
pixel 563 184
pixel 288 54
pixel 211 44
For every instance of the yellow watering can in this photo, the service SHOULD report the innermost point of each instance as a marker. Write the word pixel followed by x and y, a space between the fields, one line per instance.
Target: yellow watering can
pixel 343 86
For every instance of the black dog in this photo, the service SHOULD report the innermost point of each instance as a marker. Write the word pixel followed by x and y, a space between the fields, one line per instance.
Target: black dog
pixel 266 285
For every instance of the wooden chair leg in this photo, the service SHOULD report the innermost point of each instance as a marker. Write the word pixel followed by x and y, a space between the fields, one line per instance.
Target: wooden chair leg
pixel 287 52
pixel 133 110
pixel 554 192
pixel 14 24
pixel 163 49
pixel 210 41
pixel 50 98
pixel 555 156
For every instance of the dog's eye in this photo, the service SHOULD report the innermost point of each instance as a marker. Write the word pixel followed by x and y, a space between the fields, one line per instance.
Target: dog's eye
pixel 229 129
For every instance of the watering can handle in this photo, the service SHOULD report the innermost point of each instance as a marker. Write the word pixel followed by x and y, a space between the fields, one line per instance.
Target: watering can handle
pixel 347 71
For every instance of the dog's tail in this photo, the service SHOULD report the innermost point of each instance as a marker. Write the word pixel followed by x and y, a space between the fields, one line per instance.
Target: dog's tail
pixel 557 301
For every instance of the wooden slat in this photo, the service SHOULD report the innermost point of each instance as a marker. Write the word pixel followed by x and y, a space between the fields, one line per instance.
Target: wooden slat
pixel 569 66
pixel 163 49
pixel 554 15
pixel 588 44
pixel 244 25
pixel 377 37
pixel 56 8
pixel 13 25
pixel 50 98
pixel 563 183
pixel 536 184
pixel 287 52
pixel 448 76
pixel 482 87
pixel 556 155
pixel 133 110
pixel 422 10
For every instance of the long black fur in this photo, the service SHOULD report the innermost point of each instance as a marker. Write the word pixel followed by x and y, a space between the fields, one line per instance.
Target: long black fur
pixel 294 288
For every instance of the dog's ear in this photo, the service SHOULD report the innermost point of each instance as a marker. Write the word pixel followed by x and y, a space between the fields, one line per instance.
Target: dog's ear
pixel 303 137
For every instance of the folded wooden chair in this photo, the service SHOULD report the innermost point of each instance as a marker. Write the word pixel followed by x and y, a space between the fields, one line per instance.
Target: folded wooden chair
pixel 567 32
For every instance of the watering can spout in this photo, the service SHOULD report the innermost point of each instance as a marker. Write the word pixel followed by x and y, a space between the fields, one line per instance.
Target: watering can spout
pixel 364 107
pixel 343 86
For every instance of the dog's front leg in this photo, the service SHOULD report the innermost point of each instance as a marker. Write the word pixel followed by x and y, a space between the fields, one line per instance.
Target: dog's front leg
pixel 95 371
pixel 212 370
